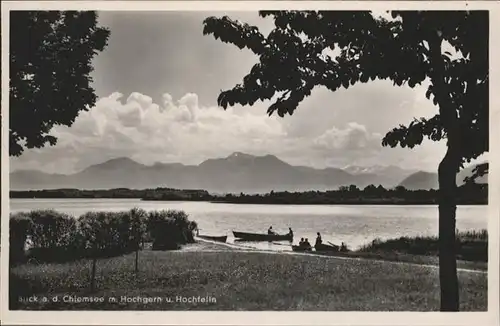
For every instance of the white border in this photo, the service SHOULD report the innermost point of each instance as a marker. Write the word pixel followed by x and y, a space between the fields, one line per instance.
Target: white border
pixel 491 317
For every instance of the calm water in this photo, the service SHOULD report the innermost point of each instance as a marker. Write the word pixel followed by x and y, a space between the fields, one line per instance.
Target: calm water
pixel 355 225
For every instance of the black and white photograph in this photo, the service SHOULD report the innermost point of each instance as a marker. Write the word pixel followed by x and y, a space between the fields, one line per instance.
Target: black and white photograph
pixel 321 160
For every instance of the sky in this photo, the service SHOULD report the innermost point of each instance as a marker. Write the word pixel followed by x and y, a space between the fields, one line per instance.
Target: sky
pixel 157 84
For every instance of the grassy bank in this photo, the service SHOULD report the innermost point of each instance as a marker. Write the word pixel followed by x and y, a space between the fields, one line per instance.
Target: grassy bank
pixel 471 246
pixel 406 258
pixel 243 281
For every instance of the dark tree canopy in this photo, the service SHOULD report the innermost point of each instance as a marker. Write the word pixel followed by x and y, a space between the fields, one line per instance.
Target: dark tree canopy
pixel 50 66
pixel 406 49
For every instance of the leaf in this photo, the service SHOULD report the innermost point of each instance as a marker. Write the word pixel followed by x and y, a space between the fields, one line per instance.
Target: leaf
pixel 60 46
pixel 373 48
pixel 428 93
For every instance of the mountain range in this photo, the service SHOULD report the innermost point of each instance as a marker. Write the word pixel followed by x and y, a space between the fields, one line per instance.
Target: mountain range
pixel 429 180
pixel 238 172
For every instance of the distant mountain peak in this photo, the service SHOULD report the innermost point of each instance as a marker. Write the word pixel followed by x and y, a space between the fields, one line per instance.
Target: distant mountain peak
pixel 164 164
pixel 120 159
pixel 116 163
pixel 378 169
pixel 271 156
pixel 240 155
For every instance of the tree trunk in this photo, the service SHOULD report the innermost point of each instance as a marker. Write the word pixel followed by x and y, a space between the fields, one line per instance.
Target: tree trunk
pixel 448 279
pixel 137 260
pixel 447 174
pixel 92 276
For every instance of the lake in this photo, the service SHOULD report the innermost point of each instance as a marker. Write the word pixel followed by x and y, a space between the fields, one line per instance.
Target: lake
pixel 354 225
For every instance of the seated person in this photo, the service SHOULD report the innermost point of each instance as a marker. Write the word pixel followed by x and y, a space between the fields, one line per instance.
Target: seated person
pixel 301 242
pixel 270 230
pixel 306 243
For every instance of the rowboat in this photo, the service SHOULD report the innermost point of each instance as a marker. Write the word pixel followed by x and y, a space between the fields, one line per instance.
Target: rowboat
pixel 222 238
pixel 299 248
pixel 325 247
pixel 245 236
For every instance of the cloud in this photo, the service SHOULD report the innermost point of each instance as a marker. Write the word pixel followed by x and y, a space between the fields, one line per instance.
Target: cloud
pixel 354 137
pixel 181 130
pixel 184 130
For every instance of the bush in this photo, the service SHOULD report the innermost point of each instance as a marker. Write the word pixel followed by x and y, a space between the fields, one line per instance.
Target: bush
pixel 19 227
pixel 99 233
pixel 471 245
pixel 138 228
pixel 61 237
pixel 52 235
pixel 113 233
pixel 473 235
pixel 169 229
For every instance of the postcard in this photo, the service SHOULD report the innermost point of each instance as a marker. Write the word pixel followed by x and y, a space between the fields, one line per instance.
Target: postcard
pixel 250 163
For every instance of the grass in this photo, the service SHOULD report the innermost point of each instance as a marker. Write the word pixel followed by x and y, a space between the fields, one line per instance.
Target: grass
pixel 245 281
pixel 406 258
pixel 471 246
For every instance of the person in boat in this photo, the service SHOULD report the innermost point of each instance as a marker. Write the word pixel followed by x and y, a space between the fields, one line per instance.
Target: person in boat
pixel 319 241
pixel 306 243
pixel 290 232
pixel 301 242
pixel 270 230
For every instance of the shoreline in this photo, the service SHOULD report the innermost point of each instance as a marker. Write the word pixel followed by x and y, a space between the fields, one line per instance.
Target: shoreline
pixel 475 194
pixel 396 203
pixel 382 257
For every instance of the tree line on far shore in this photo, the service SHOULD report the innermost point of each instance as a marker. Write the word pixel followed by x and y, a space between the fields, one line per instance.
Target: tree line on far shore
pixel 468 194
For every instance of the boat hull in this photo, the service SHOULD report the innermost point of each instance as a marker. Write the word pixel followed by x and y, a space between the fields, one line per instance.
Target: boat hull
pixel 213 238
pixel 324 247
pixel 301 249
pixel 244 236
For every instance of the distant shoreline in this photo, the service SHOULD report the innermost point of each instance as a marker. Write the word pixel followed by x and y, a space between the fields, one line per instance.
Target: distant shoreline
pixel 347 203
pixel 471 194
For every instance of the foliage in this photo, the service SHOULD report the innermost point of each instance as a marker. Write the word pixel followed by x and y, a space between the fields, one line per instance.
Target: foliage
pixel 56 236
pixel 469 194
pixel 112 233
pixel 293 59
pixel 52 234
pixel 19 226
pixel 479 171
pixel 50 65
pixel 169 229
pixel 149 194
pixel 471 245
pixel 138 226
